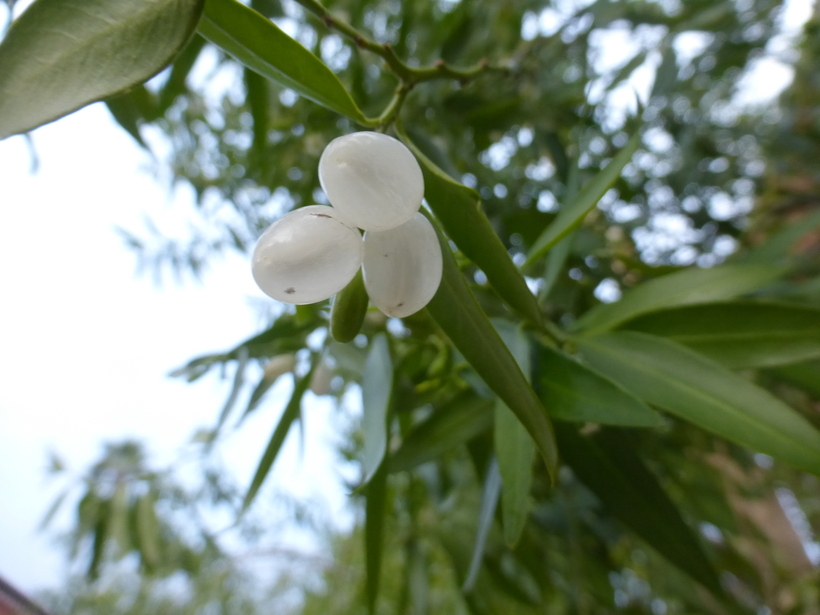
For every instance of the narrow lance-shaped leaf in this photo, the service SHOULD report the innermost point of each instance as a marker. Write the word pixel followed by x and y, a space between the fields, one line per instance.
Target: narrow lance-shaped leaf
pixel 740 334
pixel 574 212
pixel 291 413
pixel 705 393
pixel 514 448
pixel 455 423
pixel 575 392
pixel 630 493
pixel 456 311
pixel 100 538
pixel 238 381
pixel 689 287
pixel 260 45
pixel 377 384
pixel 375 511
pixel 61 55
pixel 52 510
pixel 458 208
pixel 147 531
pixel 489 500
pixel 803 375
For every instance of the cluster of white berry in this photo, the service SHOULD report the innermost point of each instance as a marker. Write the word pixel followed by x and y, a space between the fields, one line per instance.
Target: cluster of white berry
pixel 373 182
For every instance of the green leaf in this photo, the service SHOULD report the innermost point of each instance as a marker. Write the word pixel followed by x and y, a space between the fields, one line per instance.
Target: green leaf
pixel 740 334
pixel 258 99
pixel 238 381
pixel 458 208
pixel 515 451
pixel 129 109
pixel 375 511
pixel 486 514
pixel 574 212
pixel 100 538
pixel 689 287
pixel 608 466
pixel 260 45
pixel 556 261
pixel 781 247
pixel 184 62
pixel 52 510
pixel 448 426
pixel 148 531
pixel 118 522
pixel 575 392
pixel 291 413
pixel 514 448
pixel 377 384
pixel 803 375
pixel 705 393
pixel 456 311
pixel 61 55
pixel 349 309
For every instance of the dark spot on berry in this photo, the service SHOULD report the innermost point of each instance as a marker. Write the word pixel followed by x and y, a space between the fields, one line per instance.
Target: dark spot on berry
pixel 292 290
pixel 386 255
pixel 321 215
pixel 400 304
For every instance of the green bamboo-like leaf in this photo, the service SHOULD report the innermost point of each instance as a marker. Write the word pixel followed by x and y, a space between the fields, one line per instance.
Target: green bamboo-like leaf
pixel 349 309
pixel 515 452
pixel 575 392
pixel 689 287
pixel 238 381
pixel 448 426
pixel 486 514
pixel 377 384
pixel 52 510
pixel 61 55
pixel 705 393
pixel 803 375
pixel 131 108
pixel 258 393
pixel 259 44
pixel 291 413
pixel 574 212
pixel 608 466
pixel 100 538
pixel 176 84
pixel 118 522
pixel 458 208
pixel 514 448
pixel 456 311
pixel 147 531
pixel 740 334
pixel 779 247
pixel 375 511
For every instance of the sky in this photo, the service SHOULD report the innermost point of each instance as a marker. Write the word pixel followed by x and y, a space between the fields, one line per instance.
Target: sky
pixel 87 346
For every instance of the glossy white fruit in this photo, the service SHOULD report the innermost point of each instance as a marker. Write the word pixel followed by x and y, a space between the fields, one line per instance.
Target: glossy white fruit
pixel 402 267
pixel 307 256
pixel 373 179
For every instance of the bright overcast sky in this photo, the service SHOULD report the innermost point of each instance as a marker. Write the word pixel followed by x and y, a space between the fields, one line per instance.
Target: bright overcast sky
pixel 86 347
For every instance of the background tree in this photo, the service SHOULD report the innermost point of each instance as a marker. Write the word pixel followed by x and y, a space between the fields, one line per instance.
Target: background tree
pixel 604 270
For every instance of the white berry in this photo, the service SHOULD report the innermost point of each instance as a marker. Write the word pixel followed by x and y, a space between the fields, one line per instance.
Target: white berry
pixel 402 267
pixel 307 256
pixel 373 179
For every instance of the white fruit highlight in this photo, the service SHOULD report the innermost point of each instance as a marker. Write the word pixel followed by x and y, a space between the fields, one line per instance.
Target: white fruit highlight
pixel 373 179
pixel 307 256
pixel 402 267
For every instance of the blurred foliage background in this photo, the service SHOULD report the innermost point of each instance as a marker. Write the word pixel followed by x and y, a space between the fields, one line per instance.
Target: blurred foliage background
pixel 716 178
